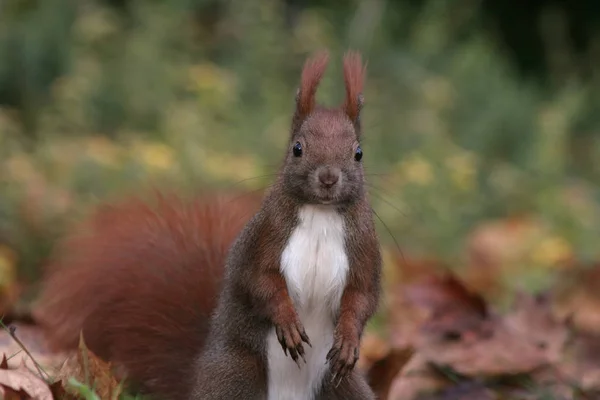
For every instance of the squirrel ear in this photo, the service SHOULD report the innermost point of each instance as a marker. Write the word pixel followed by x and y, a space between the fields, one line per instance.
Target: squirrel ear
pixel 354 77
pixel 313 71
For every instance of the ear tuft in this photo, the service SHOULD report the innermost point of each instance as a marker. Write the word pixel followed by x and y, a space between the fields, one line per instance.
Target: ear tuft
pixel 354 77
pixel 313 71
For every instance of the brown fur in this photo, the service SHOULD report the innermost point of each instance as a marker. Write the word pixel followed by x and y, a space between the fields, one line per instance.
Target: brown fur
pixel 354 76
pixel 144 282
pixel 141 280
pixel 255 296
pixel 312 73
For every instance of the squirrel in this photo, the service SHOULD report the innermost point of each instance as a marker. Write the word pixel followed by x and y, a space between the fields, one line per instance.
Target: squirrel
pixel 260 299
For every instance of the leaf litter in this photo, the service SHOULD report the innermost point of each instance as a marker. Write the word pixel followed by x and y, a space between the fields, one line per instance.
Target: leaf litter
pixel 75 375
pixel 462 348
pixel 442 340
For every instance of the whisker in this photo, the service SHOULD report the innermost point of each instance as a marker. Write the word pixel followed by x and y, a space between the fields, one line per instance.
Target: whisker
pixel 251 192
pixel 378 174
pixel 391 234
pixel 254 177
pixel 412 206
pixel 380 197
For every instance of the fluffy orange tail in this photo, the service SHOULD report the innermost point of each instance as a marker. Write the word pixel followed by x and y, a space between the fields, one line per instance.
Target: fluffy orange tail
pixel 140 281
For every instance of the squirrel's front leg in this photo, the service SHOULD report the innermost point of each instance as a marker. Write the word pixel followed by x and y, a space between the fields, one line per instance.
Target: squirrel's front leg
pixel 358 303
pixel 354 312
pixel 271 298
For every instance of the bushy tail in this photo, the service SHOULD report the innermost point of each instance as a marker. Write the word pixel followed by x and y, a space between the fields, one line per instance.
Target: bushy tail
pixel 140 280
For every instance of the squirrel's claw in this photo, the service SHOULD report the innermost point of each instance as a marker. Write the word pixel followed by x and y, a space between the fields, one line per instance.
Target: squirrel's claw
pixel 290 338
pixel 342 358
pixel 304 337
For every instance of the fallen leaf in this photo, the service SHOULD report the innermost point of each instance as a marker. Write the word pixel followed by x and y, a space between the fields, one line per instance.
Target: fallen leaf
pixel 453 310
pixel 372 349
pixel 577 295
pixel 462 333
pixel 417 378
pixel 404 319
pixel 412 269
pixel 382 372
pixel 9 394
pixel 34 341
pixel 23 380
pixel 493 350
pixel 581 361
pixel 441 293
pixel 437 302
pixel 59 392
pixel 87 368
pixel 467 390
pixel 533 319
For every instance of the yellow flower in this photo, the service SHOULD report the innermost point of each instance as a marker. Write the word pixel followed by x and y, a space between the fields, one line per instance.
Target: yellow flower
pixel 551 251
pixel 462 170
pixel 417 170
pixel 156 155
pixel 210 77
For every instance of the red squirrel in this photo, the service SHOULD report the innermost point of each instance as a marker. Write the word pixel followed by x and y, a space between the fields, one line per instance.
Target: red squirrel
pixel 208 302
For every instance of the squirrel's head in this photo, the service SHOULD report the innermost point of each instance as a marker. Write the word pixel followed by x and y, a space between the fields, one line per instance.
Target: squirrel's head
pixel 324 160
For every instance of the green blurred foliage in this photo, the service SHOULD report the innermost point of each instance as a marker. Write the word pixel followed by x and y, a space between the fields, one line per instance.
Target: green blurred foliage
pixel 104 98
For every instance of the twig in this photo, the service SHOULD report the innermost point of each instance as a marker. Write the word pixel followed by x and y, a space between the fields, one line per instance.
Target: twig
pixel 14 355
pixel 11 331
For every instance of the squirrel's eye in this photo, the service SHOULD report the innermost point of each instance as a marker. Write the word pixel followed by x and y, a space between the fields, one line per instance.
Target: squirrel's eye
pixel 297 149
pixel 358 155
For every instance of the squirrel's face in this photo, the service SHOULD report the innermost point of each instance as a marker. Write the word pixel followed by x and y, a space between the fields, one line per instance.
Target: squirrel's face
pixel 324 161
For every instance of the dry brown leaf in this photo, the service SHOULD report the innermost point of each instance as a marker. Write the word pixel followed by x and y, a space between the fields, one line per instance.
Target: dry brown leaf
pixel 415 379
pixel 372 349
pixel 467 390
pixel 534 319
pixel 438 302
pixel 404 319
pixel 22 379
pixel 443 292
pixel 451 306
pixel 383 372
pixel 411 269
pixel 577 296
pixel 581 361
pixel 492 351
pixel 462 333
pixel 59 392
pixel 98 373
pixel 34 341
pixel 453 312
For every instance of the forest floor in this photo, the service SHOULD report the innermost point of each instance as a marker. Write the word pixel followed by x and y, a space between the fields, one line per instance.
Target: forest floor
pixel 436 337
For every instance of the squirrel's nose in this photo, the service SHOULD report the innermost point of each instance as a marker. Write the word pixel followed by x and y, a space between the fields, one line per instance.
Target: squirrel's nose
pixel 329 176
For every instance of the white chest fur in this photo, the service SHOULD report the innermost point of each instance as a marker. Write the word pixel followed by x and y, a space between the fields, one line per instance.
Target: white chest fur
pixel 315 265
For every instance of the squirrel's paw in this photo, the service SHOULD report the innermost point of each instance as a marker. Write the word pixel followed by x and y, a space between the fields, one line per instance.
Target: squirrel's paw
pixel 290 336
pixel 343 355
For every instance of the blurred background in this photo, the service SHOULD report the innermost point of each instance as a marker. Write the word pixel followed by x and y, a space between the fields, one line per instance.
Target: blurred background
pixel 482 118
